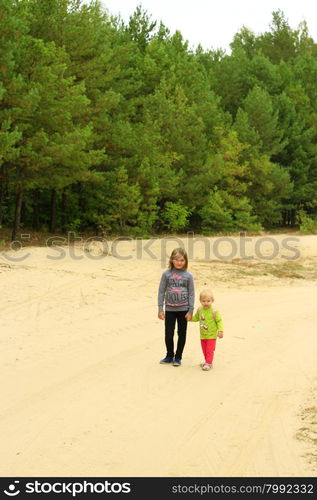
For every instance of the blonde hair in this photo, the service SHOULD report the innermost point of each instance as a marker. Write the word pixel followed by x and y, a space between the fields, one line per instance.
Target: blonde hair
pixel 206 292
pixel 178 251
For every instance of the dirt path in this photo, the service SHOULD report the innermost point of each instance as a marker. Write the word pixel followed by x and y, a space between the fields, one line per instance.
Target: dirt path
pixel 83 393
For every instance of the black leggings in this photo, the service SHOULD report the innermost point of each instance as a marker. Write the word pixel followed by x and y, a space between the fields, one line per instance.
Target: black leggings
pixel 170 320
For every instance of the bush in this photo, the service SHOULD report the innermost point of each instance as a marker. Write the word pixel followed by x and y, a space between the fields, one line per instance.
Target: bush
pixel 215 217
pixel 226 213
pixel 308 225
pixel 175 216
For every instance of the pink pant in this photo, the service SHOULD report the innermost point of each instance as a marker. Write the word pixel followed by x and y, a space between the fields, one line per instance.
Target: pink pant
pixel 208 346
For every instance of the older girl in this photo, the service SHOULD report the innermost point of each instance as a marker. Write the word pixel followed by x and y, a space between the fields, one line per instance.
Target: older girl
pixel 177 291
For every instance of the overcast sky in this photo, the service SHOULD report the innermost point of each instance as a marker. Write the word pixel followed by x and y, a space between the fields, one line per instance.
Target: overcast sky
pixel 213 23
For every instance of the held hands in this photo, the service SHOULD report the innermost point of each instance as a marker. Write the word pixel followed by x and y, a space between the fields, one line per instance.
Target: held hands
pixel 220 335
pixel 188 316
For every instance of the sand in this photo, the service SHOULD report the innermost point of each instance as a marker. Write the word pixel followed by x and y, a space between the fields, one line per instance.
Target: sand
pixel 82 390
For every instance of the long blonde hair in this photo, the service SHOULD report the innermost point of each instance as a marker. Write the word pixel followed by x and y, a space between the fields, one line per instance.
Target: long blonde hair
pixel 178 251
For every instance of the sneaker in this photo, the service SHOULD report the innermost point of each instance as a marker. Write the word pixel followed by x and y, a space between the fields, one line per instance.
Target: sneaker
pixel 206 367
pixel 168 359
pixel 177 362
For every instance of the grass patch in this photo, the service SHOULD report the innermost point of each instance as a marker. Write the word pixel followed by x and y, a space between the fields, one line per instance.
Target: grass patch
pixel 239 270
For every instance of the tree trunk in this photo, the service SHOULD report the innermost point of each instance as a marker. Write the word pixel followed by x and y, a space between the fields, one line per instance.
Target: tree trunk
pixel 64 208
pixel 82 199
pixel 36 210
pixel 1 193
pixel 17 214
pixel 293 216
pixel 53 211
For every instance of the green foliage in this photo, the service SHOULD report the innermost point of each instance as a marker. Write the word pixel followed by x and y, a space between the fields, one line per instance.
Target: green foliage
pixel 175 216
pixel 114 127
pixel 140 27
pixel 74 225
pixel 215 215
pixel 225 213
pixel 307 225
pixel 261 122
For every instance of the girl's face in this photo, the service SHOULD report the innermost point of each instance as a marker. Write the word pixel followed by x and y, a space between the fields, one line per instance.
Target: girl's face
pixel 178 261
pixel 206 301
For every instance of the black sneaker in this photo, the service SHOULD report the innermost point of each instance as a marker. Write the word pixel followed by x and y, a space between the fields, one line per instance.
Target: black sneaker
pixel 177 362
pixel 168 359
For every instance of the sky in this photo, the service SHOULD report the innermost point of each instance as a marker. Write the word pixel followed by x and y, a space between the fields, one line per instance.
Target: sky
pixel 213 23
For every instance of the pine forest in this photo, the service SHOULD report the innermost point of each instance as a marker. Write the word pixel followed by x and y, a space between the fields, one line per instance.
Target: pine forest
pixel 123 128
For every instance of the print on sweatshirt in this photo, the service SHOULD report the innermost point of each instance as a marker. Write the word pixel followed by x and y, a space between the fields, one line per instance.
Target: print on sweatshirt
pixel 177 291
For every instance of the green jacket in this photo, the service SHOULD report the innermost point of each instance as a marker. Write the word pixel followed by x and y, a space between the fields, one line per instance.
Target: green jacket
pixel 209 326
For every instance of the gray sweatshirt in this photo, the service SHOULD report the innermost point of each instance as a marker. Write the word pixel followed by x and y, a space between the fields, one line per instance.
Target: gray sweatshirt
pixel 177 291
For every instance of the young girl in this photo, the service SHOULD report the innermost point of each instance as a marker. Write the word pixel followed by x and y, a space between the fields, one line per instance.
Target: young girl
pixel 177 291
pixel 211 327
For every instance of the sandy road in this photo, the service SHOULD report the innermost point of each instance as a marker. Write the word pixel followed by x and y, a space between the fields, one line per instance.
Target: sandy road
pixel 83 394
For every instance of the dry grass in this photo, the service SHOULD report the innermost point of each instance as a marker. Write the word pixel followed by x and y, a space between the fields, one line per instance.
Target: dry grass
pixel 252 273
pixel 308 431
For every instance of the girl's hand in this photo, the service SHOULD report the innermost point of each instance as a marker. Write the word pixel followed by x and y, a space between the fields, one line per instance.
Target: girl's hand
pixel 220 335
pixel 188 316
pixel 161 315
